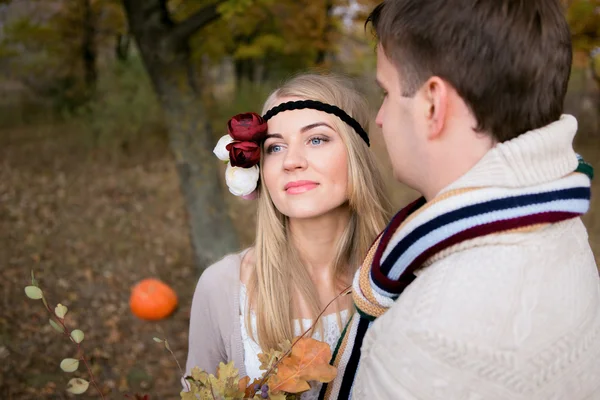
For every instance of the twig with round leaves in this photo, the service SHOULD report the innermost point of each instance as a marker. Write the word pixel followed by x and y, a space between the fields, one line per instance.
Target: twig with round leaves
pixel 166 343
pixel 75 385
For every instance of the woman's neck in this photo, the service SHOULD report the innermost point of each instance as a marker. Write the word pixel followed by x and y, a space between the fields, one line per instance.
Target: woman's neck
pixel 316 240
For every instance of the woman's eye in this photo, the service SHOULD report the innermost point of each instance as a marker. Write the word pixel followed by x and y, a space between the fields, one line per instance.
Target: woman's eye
pixel 316 141
pixel 275 148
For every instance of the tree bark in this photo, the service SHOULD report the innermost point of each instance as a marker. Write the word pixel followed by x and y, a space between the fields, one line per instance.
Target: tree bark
pixel 322 54
pixel 166 55
pixel 122 43
pixel 593 66
pixel 88 47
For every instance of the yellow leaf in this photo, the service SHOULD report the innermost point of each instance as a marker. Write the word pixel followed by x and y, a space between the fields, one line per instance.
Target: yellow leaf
pixel 227 371
pixel 214 385
pixel 187 396
pixel 200 375
pixel 285 346
pixel 267 359
pixel 277 396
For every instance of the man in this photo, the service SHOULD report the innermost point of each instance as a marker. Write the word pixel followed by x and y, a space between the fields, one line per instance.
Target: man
pixel 486 288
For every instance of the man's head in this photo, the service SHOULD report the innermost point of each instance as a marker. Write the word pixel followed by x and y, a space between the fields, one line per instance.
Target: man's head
pixel 461 75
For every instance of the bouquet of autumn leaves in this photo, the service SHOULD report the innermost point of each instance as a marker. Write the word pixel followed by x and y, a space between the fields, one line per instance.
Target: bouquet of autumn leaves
pixel 287 374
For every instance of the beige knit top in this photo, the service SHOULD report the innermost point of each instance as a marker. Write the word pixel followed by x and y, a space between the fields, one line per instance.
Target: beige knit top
pixel 215 330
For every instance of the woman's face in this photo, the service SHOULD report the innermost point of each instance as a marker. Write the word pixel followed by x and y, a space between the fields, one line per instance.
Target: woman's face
pixel 305 164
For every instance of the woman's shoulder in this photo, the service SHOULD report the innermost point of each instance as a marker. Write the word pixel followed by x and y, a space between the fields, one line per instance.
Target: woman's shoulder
pixel 227 269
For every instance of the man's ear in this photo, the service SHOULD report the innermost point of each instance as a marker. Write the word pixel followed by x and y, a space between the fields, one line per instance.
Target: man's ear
pixel 435 106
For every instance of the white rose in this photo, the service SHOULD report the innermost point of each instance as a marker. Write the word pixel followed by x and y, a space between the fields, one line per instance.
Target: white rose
pixel 221 148
pixel 241 181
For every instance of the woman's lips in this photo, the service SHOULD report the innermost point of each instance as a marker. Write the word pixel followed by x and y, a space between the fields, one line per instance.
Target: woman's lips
pixel 299 187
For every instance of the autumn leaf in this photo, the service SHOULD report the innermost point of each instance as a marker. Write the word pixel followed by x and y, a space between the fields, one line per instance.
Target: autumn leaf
pixel 285 346
pixel 200 375
pixel 249 391
pixel 309 361
pixel 314 357
pixel 288 379
pixel 243 384
pixel 227 381
pixel 227 371
pixel 267 359
pixel 277 396
pixel 188 395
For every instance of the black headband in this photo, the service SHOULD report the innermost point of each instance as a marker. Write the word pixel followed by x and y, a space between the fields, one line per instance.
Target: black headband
pixel 317 105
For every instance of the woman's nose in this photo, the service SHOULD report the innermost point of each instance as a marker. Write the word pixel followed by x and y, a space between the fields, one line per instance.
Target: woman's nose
pixel 294 158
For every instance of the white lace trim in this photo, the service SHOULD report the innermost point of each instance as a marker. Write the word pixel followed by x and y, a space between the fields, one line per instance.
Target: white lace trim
pixel 331 332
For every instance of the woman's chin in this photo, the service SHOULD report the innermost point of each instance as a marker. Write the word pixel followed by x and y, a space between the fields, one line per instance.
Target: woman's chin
pixel 306 210
pixel 310 208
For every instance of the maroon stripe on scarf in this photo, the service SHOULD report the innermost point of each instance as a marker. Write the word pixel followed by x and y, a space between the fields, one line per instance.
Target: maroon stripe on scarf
pixel 392 227
pixel 396 286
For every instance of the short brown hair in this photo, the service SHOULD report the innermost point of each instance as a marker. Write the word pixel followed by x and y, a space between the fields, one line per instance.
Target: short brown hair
pixel 509 60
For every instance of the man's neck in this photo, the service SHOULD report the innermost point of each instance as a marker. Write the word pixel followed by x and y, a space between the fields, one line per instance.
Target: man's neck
pixel 455 154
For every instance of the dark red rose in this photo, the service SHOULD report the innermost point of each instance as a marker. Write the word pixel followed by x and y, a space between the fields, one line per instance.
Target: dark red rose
pixel 243 154
pixel 247 127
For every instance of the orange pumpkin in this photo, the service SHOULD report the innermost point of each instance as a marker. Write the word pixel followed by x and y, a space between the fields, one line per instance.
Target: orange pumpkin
pixel 151 299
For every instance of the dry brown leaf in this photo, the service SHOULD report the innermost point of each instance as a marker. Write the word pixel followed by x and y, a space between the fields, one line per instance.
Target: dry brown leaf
pixel 243 383
pixel 309 361
pixel 288 379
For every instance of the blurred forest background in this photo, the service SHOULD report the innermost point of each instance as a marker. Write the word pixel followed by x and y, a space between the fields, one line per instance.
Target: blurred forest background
pixel 109 111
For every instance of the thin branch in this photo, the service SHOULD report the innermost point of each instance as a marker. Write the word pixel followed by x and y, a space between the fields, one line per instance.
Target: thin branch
pixel 183 30
pixel 178 365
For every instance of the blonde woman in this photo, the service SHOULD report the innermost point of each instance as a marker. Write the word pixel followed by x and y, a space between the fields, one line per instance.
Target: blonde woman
pixel 321 203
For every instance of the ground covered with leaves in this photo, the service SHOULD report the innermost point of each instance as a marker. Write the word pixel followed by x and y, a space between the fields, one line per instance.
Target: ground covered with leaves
pixel 92 225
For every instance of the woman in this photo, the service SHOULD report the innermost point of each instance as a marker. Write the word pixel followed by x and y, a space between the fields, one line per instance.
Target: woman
pixel 321 203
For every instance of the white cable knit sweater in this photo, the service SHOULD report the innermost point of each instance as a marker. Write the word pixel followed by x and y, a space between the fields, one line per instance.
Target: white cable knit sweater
pixel 510 316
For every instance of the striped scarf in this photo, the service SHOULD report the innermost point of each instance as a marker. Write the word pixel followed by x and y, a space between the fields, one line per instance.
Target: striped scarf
pixel 423 229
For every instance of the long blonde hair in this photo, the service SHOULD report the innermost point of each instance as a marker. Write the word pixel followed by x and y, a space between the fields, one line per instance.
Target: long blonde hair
pixel 278 272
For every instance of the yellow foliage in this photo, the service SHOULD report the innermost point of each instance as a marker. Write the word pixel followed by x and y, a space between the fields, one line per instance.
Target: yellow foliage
pixel 287 371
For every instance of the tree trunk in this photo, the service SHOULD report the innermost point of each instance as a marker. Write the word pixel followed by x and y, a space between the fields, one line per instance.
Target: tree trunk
pixel 88 47
pixel 327 32
pixel 244 71
pixel 122 43
pixel 593 54
pixel 166 57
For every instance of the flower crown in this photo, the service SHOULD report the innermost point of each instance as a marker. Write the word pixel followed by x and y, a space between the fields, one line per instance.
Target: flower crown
pixel 240 148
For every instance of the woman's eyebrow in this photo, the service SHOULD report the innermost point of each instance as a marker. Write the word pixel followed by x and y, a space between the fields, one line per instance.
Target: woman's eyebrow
pixel 303 130
pixel 315 125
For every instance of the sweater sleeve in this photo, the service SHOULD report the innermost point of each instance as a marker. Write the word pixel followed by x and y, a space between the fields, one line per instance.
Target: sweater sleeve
pixel 210 331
